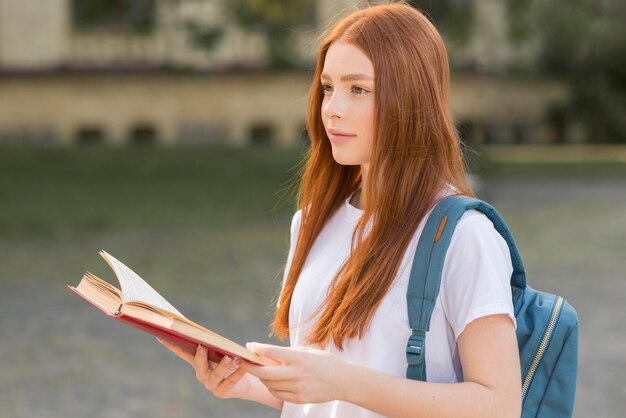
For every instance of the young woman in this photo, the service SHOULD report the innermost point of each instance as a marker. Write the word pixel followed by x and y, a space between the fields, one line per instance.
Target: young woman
pixel 383 152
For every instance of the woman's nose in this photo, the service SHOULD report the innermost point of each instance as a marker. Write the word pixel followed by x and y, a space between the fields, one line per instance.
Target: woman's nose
pixel 332 106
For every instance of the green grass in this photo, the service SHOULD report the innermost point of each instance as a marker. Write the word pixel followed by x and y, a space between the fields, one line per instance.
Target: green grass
pixel 64 191
pixel 494 168
pixel 61 192
pixel 200 224
pixel 550 161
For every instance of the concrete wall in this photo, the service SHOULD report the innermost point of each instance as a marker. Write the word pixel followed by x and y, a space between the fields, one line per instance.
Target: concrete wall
pixel 32 32
pixel 39 35
pixel 202 109
pixel 234 108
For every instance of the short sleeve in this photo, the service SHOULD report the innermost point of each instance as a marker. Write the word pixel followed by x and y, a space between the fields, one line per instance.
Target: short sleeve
pixel 293 239
pixel 476 273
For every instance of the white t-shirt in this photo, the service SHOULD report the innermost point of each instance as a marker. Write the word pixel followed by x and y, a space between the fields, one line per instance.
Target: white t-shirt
pixel 474 283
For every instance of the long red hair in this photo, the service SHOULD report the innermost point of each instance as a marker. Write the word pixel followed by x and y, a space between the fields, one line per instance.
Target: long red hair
pixel 416 154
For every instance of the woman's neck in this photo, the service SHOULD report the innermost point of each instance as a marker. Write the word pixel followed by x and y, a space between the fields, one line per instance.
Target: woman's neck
pixel 358 198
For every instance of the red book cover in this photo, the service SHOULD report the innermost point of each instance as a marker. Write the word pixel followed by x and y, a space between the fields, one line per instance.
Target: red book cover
pixel 186 342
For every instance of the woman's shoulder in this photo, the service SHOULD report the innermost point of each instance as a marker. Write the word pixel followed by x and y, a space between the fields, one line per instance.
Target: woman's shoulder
pixel 294 230
pixel 296 219
pixel 474 221
pixel 476 246
pixel 476 226
pixel 476 275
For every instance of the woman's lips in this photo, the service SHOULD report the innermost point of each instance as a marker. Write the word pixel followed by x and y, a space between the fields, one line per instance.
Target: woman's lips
pixel 339 136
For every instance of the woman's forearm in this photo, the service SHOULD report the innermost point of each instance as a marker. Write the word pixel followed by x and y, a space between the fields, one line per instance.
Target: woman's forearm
pixel 394 396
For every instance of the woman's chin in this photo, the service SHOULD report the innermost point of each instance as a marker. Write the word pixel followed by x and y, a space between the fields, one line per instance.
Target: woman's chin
pixel 343 160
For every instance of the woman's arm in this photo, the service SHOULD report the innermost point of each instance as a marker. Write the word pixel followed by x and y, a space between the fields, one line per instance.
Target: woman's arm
pixel 489 356
pixel 226 379
pixel 491 387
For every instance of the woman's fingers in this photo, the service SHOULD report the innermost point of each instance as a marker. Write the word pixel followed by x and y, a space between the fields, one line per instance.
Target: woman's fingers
pixel 188 357
pixel 220 378
pixel 201 364
pixel 227 385
pixel 234 377
pixel 212 377
pixel 269 372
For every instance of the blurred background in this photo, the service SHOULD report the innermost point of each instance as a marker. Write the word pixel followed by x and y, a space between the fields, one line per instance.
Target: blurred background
pixel 169 133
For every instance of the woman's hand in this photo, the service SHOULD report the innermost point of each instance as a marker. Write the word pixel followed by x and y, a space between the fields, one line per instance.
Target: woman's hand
pixel 307 375
pixel 225 379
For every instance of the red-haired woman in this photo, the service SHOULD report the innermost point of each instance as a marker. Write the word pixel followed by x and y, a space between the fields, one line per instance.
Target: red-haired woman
pixel 383 151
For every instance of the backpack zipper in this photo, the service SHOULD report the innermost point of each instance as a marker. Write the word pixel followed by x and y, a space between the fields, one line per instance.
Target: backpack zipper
pixel 542 347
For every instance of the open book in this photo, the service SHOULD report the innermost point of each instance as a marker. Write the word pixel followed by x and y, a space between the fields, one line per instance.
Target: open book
pixel 139 305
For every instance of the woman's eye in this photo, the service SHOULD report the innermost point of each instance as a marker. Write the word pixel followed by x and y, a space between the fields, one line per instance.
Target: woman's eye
pixel 358 90
pixel 327 88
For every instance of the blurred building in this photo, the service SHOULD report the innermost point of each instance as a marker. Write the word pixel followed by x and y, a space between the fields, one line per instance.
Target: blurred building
pixel 140 71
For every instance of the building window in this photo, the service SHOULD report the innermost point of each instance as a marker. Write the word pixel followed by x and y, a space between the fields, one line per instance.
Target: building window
pixel 143 135
pixel 138 16
pixel 90 135
pixel 521 132
pixel 261 135
pixel 466 132
pixel 489 131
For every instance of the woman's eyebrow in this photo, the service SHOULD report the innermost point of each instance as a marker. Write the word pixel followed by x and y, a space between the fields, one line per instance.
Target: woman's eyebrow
pixel 353 77
pixel 349 77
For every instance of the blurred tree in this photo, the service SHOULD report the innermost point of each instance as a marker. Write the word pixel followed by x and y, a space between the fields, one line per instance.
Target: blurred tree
pixel 203 36
pixel 454 18
pixel 138 16
pixel 582 42
pixel 276 20
pixel 517 19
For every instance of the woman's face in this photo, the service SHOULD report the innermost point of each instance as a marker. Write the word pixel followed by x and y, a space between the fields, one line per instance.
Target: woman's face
pixel 348 106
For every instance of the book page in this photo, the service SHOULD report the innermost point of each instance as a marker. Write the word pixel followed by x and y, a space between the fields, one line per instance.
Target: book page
pixel 135 288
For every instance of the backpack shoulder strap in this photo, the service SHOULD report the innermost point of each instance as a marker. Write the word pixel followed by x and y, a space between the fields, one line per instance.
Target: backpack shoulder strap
pixel 425 277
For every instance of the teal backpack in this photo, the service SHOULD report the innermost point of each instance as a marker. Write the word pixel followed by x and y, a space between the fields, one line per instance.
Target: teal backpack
pixel 547 326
